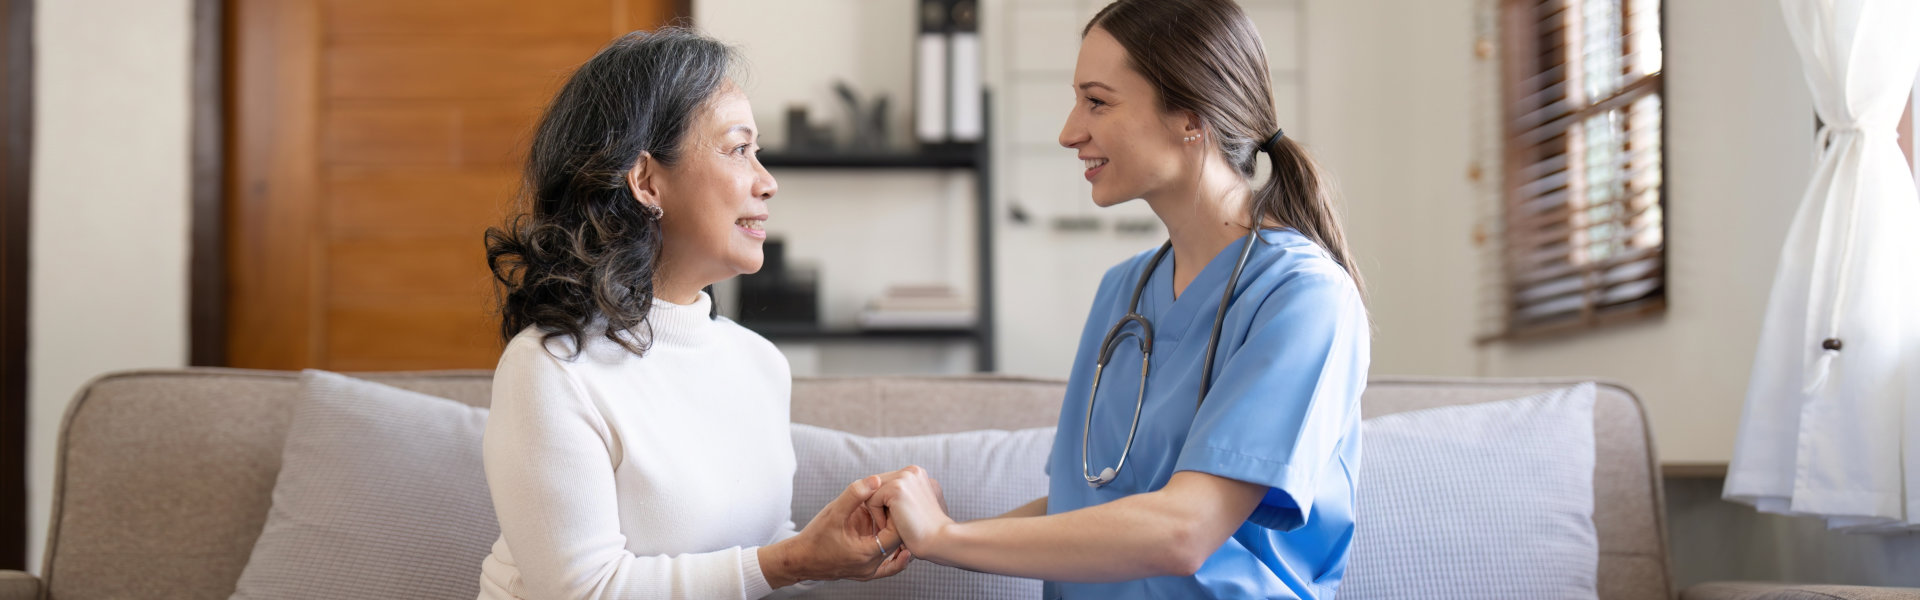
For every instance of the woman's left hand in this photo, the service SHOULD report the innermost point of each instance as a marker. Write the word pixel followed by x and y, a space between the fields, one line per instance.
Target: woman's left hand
pixel 910 501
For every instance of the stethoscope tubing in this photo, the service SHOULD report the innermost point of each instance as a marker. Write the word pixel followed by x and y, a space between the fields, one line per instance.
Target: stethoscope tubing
pixel 1115 334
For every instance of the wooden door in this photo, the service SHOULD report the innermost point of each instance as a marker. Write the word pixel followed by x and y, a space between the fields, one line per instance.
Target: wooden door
pixel 372 142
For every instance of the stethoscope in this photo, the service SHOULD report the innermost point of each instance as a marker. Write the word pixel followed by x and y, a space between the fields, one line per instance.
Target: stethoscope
pixel 1145 339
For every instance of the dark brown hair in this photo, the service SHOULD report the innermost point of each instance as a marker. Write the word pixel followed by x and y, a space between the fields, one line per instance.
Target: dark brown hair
pixel 1204 56
pixel 584 249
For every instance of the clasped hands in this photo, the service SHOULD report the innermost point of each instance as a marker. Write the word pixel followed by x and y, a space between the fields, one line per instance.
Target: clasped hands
pixel 872 530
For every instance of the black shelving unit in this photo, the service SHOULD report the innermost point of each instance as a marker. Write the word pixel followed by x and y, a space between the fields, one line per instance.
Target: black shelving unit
pixel 975 157
pixel 949 156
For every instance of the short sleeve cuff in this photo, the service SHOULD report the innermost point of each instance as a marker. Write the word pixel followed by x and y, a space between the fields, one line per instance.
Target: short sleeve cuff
pixel 753 583
pixel 1280 509
pixel 1278 512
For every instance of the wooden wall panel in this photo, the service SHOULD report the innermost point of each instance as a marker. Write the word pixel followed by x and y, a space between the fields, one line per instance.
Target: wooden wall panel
pixel 375 140
pixel 442 267
pixel 409 334
pixel 434 199
pixel 454 67
pixel 630 15
pixel 388 135
pixel 586 18
pixel 495 135
pixel 274 285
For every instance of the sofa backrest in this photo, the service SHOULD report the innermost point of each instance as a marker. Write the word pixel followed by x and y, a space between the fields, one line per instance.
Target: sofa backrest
pixel 164 477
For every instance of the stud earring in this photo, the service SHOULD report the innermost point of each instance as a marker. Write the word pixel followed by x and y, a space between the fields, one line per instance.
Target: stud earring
pixel 1190 139
pixel 653 210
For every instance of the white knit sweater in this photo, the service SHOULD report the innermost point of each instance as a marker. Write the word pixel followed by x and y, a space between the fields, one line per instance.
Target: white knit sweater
pixel 622 476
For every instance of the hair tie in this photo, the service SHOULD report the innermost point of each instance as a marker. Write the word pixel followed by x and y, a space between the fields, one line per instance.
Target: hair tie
pixel 1275 139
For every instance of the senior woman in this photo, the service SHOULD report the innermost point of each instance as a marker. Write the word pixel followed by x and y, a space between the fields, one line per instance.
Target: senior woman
pixel 638 445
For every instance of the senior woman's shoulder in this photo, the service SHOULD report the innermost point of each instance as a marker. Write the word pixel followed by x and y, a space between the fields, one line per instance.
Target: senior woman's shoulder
pixel 534 341
pixel 748 338
pixel 755 349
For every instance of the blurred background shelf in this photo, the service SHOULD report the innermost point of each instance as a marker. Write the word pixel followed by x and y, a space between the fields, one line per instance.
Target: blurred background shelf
pixel 956 156
pixel 975 159
pixel 808 333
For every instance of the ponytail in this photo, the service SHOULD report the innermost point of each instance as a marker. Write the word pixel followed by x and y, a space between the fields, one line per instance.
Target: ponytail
pixel 1297 195
pixel 1205 56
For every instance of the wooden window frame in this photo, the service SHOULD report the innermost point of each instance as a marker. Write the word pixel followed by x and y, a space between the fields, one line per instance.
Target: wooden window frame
pixel 1525 134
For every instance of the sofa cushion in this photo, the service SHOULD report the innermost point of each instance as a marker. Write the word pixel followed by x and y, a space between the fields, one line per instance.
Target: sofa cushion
pixel 381 494
pixel 1478 501
pixel 983 473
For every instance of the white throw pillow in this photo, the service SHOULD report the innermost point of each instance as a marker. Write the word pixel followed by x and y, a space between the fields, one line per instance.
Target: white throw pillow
pixel 983 473
pixel 381 494
pixel 1490 500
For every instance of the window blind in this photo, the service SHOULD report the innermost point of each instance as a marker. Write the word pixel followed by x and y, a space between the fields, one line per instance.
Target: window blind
pixel 1583 215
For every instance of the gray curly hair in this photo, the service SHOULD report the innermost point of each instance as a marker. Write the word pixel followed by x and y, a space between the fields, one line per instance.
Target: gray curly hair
pixel 584 248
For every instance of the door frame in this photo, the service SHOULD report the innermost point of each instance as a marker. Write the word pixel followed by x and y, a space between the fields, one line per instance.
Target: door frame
pixel 16 160
pixel 207 250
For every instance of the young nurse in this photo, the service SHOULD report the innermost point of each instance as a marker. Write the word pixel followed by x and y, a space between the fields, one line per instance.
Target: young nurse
pixel 1209 442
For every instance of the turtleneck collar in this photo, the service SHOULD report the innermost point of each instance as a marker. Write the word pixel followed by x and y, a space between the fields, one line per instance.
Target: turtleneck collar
pixel 681 324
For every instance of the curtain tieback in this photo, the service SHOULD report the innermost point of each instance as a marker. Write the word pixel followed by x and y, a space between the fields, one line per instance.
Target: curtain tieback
pixel 1824 329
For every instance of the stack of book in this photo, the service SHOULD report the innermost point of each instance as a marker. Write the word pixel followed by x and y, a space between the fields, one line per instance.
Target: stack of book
pixel 934 306
pixel 949 105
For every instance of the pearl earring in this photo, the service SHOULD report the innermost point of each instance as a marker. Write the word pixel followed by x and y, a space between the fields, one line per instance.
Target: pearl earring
pixel 1191 138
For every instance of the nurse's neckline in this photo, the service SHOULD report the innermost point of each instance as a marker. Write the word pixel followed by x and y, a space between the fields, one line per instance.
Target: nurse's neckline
pixel 1267 235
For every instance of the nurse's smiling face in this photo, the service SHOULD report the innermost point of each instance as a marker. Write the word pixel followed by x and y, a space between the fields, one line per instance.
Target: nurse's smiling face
pixel 1130 146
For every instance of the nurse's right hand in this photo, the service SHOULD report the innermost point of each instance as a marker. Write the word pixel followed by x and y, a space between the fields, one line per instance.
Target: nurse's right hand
pixel 912 502
pixel 841 542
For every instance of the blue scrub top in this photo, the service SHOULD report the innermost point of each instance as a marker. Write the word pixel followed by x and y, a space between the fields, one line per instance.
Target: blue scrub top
pixel 1283 412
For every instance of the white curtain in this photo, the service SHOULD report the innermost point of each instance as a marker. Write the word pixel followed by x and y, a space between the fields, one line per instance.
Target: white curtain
pixel 1832 421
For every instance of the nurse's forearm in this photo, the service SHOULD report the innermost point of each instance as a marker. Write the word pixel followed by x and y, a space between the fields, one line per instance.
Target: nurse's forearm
pixel 1130 538
pixel 1171 531
pixel 1036 508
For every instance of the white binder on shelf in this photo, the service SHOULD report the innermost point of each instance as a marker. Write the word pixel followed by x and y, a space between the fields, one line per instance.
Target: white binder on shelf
pixel 968 116
pixel 930 74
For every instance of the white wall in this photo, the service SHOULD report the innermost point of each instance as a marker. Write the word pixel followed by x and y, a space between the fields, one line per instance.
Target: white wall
pixel 1395 115
pixel 110 207
pixel 1387 102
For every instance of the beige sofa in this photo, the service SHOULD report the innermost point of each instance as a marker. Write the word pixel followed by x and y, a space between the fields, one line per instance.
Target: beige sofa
pixel 164 478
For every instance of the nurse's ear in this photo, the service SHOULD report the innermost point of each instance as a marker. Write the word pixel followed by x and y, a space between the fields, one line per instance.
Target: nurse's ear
pixel 1187 126
pixel 643 181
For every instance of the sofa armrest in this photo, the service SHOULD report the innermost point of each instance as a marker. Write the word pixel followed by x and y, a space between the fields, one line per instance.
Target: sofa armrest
pixel 1770 590
pixel 18 585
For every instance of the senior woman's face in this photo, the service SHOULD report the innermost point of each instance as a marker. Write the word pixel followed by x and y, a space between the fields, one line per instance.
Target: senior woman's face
pixel 715 197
